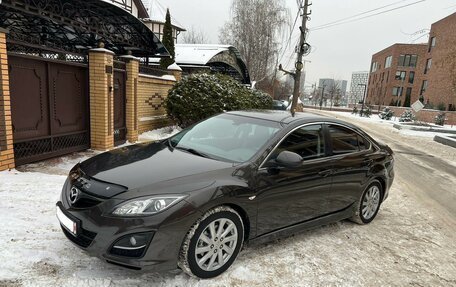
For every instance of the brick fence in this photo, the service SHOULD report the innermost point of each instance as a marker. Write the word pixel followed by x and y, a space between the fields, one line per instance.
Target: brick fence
pixel 425 115
pixel 144 100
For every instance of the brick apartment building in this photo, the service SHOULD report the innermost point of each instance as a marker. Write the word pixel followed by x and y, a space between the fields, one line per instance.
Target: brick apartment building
pixel 404 73
pixel 441 58
pixel 396 74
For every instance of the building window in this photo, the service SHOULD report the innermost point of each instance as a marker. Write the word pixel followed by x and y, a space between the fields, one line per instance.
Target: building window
pixel 431 44
pixel 428 65
pixel 408 92
pixel 388 62
pixel 374 67
pixel 400 75
pixel 411 77
pixel 424 87
pixel 408 60
pixel 397 91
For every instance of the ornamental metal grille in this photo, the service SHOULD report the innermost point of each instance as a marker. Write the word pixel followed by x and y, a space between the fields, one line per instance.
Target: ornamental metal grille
pixel 120 65
pixel 27 50
pixel 39 149
pixel 153 70
pixel 76 26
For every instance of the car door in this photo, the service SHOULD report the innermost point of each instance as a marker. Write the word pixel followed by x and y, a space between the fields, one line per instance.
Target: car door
pixel 288 196
pixel 352 160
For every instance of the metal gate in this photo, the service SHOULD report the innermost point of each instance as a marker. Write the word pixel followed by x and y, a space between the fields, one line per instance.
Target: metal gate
pixel 120 129
pixel 50 108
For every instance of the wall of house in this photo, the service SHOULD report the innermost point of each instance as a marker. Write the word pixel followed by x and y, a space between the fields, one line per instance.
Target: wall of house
pixel 382 81
pixel 442 74
pixel 152 92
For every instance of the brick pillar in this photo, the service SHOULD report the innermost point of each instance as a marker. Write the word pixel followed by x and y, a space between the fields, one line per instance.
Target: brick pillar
pixel 132 69
pixel 101 99
pixel 6 130
pixel 176 70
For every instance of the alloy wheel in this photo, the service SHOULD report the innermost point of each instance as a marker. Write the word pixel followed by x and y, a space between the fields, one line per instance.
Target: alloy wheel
pixel 370 202
pixel 216 244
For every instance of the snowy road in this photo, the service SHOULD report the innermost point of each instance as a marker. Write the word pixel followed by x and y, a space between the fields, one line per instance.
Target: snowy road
pixel 412 241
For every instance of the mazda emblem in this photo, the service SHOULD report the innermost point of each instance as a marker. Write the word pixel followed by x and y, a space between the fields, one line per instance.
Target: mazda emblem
pixel 74 195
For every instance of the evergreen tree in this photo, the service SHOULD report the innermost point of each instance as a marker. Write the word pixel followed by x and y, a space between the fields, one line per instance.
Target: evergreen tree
pixel 168 42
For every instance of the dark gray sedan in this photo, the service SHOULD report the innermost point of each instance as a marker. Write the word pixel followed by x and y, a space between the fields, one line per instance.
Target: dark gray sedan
pixel 192 201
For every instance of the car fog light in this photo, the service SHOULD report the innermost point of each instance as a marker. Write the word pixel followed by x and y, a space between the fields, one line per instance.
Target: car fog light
pixel 133 245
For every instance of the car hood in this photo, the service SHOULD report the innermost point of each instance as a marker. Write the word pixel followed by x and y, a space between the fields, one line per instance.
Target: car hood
pixel 143 165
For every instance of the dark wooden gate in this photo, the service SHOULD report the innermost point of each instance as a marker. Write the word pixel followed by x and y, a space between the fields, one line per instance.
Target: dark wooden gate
pixel 120 129
pixel 50 108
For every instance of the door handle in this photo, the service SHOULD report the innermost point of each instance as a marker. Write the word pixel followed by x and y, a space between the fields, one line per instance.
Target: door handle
pixel 325 173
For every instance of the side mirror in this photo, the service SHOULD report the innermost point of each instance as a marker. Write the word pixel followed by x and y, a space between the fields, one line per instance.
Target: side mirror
pixel 289 159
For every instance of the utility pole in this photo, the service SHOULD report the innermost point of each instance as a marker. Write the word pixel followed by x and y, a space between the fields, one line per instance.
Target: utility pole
pixel 303 48
pixel 361 113
pixel 322 94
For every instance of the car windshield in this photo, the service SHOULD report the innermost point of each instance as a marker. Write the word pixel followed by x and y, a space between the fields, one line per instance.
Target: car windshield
pixel 226 137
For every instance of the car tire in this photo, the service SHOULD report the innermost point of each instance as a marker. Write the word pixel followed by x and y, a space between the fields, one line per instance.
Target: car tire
pixel 369 203
pixel 212 243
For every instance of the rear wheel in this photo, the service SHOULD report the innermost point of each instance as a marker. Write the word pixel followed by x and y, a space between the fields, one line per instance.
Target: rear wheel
pixel 213 243
pixel 369 204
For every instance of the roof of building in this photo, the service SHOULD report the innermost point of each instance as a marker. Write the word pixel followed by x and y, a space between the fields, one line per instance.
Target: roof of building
pixel 142 11
pixel 198 54
pixel 81 26
pixel 157 13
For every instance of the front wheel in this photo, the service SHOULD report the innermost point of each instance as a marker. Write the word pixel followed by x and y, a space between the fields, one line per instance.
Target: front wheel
pixel 213 243
pixel 368 205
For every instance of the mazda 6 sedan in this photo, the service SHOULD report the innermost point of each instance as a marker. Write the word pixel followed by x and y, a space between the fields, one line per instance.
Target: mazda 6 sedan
pixel 193 200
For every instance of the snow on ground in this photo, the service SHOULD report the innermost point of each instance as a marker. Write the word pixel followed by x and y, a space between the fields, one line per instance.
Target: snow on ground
pixel 407 244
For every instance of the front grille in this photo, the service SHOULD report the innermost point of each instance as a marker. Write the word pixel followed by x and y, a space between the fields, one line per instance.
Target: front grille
pixel 84 238
pixel 86 203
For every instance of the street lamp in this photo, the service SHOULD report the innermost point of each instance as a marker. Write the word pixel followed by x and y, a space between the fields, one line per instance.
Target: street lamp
pixel 364 98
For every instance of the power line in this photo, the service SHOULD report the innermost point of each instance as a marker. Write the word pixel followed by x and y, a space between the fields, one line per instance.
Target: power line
pixel 299 2
pixel 369 16
pixel 360 14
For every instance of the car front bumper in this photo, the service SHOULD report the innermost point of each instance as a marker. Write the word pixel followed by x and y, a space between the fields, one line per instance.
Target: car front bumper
pixel 97 233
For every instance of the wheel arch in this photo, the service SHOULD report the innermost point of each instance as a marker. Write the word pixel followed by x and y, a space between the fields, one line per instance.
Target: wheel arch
pixel 244 216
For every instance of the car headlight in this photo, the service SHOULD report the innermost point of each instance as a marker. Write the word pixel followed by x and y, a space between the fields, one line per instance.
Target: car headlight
pixel 147 205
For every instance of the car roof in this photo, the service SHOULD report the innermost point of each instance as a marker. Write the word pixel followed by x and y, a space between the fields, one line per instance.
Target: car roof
pixel 283 117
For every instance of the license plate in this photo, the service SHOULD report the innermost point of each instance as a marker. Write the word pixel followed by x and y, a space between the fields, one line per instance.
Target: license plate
pixel 69 224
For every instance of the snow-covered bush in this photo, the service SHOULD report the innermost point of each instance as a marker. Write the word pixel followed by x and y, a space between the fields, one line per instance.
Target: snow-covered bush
pixel 199 96
pixel 407 116
pixel 440 119
pixel 386 114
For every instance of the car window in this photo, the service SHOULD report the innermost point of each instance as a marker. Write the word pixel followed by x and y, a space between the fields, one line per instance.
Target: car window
pixel 307 141
pixel 227 137
pixel 345 140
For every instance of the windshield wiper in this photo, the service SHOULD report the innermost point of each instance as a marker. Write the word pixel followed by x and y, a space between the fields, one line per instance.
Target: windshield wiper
pixel 192 151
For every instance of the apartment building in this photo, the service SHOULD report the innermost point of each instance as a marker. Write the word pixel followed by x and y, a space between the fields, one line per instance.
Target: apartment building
pixel 404 73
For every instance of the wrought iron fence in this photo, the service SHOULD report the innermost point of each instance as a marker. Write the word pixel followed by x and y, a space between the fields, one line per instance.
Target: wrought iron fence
pixel 153 70
pixel 46 53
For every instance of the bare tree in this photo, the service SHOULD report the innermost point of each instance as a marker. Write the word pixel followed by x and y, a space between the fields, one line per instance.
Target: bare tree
pixel 255 29
pixel 334 93
pixel 194 36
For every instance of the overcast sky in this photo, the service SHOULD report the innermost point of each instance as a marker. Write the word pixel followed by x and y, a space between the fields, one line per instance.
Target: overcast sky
pixel 337 51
